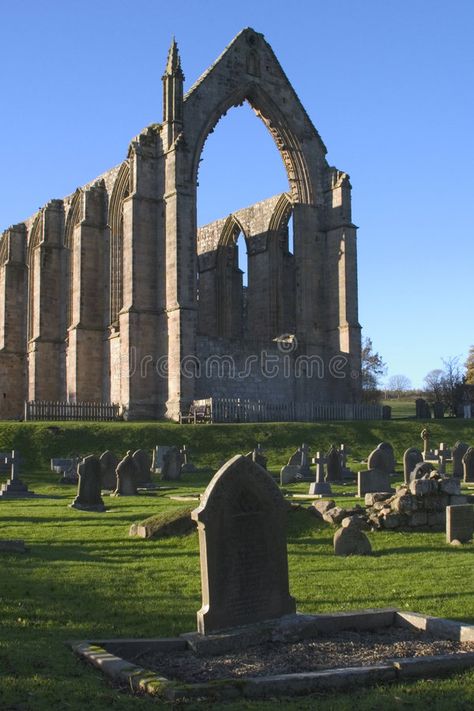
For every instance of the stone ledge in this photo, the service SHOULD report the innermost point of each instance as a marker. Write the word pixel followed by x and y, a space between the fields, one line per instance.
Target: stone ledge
pixel 104 655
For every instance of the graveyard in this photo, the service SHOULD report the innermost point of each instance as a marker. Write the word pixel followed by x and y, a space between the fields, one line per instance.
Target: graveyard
pixel 84 577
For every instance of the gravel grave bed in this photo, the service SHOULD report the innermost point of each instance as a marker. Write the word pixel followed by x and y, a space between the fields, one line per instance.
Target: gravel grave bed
pixel 342 649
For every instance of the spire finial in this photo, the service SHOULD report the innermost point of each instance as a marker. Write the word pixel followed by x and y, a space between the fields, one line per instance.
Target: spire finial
pixel 173 64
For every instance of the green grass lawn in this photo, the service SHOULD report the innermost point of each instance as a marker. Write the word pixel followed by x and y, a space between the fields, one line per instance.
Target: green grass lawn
pixel 84 577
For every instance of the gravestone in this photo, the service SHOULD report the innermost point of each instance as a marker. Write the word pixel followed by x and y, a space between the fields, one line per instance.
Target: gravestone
pixel 438 410
pixel 88 491
pixel 443 455
pixel 320 487
pixel 344 451
pixel 422 409
pixel 108 465
pixel 172 464
pixel 459 450
pixel 242 539
pixel 333 464
pixel 126 477
pixel 188 467
pixel 425 436
pixel 142 464
pixel 373 481
pixel 382 458
pixel 411 458
pixel 459 523
pixel 158 458
pixel 301 459
pixel 14 488
pixel 67 468
pixel 468 466
pixel 420 470
pixel 258 456
pixel 289 474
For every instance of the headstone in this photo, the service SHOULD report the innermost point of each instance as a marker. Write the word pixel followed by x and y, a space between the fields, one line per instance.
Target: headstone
pixel 158 458
pixel 459 523
pixel 422 409
pixel 67 468
pixel 468 466
pixel 371 481
pixel 459 450
pixel 443 454
pixel 108 465
pixel 143 464
pixel 126 477
pixel 14 488
pixel 333 464
pixel 301 459
pixel 428 455
pixel 382 458
pixel 350 540
pixel 411 458
pixel 242 539
pixel 173 461
pixel 188 467
pixel 421 470
pixel 258 456
pixel 438 410
pixel 344 451
pixel 386 412
pixel 88 491
pixel 288 474
pixel 467 411
pixel 320 487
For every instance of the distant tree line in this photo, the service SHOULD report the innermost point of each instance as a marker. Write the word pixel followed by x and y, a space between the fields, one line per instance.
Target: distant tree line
pixel 452 385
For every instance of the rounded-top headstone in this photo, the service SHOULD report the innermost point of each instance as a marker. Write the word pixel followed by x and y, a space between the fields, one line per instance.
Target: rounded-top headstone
pixel 143 466
pixel 126 477
pixel 108 465
pixel 89 487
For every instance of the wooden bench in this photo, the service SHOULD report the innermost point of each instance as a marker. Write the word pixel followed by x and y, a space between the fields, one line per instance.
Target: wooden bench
pixel 197 415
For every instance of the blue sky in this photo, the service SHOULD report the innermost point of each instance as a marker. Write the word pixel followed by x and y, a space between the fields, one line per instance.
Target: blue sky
pixel 388 84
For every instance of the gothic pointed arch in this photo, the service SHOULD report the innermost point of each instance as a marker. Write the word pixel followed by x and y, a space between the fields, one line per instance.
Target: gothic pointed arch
pixel 256 72
pixel 120 191
pixel 229 290
pixel 74 216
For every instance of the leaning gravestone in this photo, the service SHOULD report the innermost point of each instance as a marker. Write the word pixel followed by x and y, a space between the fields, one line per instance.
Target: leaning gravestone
pixel 411 458
pixel 468 466
pixel 459 523
pixel 242 540
pixel 459 450
pixel 108 465
pixel 143 464
pixel 172 465
pixel 333 464
pixel 88 491
pixel 126 477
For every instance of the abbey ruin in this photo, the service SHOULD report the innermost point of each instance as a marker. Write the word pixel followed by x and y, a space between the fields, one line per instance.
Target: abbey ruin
pixel 114 295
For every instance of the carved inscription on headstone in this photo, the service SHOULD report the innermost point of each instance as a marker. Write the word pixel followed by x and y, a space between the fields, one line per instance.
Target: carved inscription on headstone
pixel 242 539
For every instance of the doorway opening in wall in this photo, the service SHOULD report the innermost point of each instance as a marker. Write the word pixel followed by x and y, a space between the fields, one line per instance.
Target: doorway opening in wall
pixel 240 166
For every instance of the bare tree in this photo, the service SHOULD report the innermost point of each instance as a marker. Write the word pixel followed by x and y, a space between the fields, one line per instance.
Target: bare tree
pixel 434 385
pixel 399 384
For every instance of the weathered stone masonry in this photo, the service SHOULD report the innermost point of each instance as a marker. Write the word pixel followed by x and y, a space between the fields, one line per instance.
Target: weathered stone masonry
pixel 100 289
